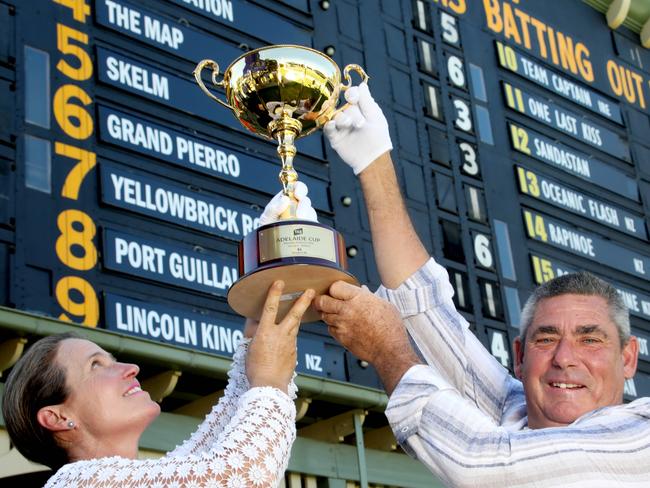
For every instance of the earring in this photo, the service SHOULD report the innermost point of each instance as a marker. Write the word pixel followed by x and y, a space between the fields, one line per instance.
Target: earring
pixel 70 424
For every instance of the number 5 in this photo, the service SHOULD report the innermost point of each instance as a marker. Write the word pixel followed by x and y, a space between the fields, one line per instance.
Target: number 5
pixel 64 35
pixel 449 29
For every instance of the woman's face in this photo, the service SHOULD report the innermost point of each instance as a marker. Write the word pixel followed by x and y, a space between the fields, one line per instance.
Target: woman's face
pixel 105 398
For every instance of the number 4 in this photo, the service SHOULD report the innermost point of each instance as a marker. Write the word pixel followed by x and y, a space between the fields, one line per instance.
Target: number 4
pixel 535 226
pixel 80 9
pixel 499 349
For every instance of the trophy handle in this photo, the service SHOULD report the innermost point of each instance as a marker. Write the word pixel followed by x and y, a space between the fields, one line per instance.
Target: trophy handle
pixel 208 63
pixel 348 79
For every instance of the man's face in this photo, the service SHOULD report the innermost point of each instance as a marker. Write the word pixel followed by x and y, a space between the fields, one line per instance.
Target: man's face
pixel 571 361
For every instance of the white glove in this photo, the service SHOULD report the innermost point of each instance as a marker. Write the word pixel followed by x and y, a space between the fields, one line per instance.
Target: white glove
pixel 359 134
pixel 280 202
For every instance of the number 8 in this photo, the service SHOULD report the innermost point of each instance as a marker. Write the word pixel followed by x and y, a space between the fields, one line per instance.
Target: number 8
pixel 71 236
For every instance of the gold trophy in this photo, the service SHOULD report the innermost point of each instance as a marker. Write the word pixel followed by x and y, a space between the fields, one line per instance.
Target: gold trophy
pixel 281 93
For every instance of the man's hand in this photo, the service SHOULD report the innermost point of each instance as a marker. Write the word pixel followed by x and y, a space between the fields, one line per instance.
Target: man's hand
pixel 364 324
pixel 359 134
pixel 370 328
pixel 280 202
pixel 271 357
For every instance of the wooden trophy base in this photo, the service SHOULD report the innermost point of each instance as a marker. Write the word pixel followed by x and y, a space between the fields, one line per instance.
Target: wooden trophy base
pixel 303 254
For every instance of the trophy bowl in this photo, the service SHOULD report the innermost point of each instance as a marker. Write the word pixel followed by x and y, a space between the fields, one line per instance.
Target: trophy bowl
pixel 264 85
pixel 282 93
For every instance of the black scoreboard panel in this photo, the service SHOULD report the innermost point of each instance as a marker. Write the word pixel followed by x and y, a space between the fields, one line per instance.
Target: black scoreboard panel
pixel 521 134
pixel 7 140
pixel 134 187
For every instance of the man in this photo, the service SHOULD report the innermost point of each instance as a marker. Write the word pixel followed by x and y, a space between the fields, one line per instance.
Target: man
pixel 561 424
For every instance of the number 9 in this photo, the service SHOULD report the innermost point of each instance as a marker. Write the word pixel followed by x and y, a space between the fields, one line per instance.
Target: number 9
pixel 88 307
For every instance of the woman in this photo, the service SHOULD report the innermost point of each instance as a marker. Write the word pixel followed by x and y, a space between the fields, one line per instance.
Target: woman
pixel 68 404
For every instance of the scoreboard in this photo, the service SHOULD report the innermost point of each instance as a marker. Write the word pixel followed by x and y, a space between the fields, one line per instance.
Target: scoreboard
pixel 522 142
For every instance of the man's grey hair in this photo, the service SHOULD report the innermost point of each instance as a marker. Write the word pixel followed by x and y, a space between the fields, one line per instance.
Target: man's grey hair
pixel 581 283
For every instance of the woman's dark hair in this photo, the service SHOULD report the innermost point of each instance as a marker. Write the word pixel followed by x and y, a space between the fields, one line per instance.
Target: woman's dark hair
pixel 36 381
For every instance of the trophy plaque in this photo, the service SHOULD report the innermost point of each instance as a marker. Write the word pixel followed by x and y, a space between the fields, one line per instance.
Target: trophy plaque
pixel 281 93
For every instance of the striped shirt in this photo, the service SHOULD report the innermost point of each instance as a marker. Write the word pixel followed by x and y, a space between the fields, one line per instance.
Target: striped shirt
pixel 464 416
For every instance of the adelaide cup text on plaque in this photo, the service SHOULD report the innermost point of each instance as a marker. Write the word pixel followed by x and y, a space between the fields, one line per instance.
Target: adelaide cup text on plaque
pixel 281 93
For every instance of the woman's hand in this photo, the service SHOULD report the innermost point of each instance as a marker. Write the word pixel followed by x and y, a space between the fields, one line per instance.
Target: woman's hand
pixel 272 355
pixel 250 327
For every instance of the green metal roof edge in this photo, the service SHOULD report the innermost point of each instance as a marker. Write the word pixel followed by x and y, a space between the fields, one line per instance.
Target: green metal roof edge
pixel 340 461
pixel 183 359
pixel 637 17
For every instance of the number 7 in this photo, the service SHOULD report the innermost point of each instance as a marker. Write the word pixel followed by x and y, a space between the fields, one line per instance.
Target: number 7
pixel 86 161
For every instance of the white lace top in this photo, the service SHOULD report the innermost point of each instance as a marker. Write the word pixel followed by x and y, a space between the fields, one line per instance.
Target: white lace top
pixel 244 441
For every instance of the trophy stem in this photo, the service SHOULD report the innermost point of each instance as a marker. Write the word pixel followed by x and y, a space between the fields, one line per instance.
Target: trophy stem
pixel 285 131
